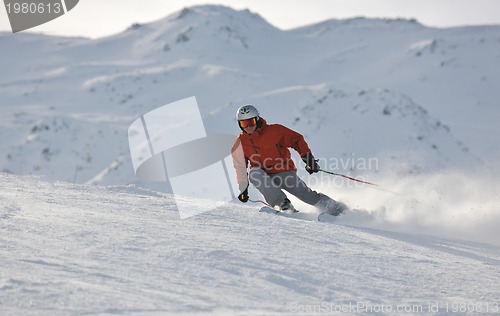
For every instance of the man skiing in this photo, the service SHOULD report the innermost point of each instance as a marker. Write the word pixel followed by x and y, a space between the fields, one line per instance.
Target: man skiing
pixel 272 170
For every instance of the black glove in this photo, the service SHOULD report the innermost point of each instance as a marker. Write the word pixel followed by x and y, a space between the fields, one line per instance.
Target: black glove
pixel 243 197
pixel 311 164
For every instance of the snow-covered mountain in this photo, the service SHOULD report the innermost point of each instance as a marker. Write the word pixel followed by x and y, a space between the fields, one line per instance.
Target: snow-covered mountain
pixel 421 103
pixel 416 97
pixel 77 249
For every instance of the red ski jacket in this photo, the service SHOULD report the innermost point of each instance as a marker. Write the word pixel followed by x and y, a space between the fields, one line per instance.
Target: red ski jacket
pixel 267 148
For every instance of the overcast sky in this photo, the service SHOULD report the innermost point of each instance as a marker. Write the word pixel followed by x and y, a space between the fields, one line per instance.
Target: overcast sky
pixel 96 18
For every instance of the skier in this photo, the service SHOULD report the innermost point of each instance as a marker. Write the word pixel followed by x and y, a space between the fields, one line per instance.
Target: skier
pixel 272 170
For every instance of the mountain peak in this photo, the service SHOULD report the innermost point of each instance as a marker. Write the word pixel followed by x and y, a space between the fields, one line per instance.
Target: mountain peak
pixel 210 11
pixel 196 29
pixel 357 23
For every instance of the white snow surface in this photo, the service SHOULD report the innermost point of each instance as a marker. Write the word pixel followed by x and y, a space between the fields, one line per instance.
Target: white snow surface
pixel 71 249
pixel 80 234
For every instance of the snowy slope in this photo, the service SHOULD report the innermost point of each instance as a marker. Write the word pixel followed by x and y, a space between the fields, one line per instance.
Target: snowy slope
pixel 411 96
pixel 75 249
pixel 451 72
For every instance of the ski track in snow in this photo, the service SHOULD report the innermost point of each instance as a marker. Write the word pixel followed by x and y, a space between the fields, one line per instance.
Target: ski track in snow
pixel 76 249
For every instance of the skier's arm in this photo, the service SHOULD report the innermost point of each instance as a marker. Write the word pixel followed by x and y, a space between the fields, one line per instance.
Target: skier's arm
pixel 295 140
pixel 240 163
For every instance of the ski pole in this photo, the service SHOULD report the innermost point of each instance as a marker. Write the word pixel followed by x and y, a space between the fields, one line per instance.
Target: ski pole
pixel 343 176
pixel 260 201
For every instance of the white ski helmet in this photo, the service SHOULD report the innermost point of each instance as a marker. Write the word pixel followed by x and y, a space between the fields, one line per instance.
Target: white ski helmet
pixel 246 112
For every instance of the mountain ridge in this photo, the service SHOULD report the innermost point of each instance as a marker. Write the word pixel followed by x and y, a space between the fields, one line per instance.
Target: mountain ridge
pixel 98 87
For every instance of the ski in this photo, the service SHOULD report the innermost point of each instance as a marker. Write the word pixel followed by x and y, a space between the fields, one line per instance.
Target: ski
pixel 322 217
pixel 327 217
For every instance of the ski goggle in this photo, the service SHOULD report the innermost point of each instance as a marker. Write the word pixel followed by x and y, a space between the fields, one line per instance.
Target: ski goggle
pixel 248 122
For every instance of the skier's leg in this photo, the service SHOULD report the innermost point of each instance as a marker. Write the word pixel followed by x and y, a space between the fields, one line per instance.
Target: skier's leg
pixel 263 182
pixel 329 205
pixel 290 181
